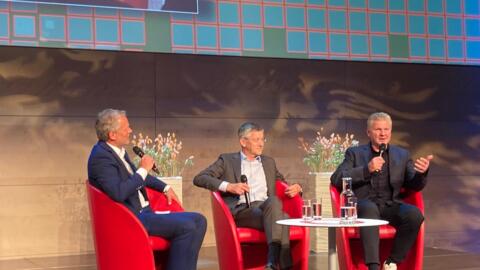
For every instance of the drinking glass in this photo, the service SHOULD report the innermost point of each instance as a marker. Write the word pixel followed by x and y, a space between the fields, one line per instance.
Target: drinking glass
pixel 317 209
pixel 307 214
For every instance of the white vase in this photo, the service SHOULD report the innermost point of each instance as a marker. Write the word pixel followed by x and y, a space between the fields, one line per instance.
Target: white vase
pixel 176 183
pixel 319 186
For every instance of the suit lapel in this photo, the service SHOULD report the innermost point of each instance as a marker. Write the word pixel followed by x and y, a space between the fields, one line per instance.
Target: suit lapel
pixel 237 166
pixel 117 158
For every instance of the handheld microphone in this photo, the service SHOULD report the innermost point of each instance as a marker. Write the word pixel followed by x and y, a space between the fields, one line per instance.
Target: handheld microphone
pixel 382 148
pixel 243 179
pixel 137 150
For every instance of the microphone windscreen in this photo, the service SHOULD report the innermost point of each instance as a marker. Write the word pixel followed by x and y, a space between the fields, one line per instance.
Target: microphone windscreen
pixel 137 150
pixel 383 147
pixel 243 178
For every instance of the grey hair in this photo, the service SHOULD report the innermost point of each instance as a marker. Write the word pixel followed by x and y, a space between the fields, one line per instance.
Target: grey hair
pixel 378 116
pixel 247 127
pixel 107 121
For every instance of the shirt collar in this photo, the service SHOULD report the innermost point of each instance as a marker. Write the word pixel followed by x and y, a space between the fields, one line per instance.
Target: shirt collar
pixel 119 151
pixel 244 157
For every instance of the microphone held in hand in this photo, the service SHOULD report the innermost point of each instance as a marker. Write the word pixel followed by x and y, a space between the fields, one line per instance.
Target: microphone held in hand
pixel 139 152
pixel 243 179
pixel 382 148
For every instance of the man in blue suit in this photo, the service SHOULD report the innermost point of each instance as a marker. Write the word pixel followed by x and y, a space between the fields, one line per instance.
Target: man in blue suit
pixel 379 171
pixel 111 170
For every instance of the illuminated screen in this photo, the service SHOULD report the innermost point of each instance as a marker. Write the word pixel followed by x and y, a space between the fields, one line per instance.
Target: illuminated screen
pixel 182 6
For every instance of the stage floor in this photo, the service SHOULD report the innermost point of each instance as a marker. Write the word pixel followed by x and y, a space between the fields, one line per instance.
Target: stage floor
pixel 435 259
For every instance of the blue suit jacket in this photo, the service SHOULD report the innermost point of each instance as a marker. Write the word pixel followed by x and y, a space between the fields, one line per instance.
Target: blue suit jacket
pixel 401 170
pixel 107 172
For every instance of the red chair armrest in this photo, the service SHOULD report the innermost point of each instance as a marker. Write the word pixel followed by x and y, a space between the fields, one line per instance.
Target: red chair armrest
pixel 158 202
pixel 291 206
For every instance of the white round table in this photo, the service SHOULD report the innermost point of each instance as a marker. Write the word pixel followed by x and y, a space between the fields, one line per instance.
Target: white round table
pixel 331 224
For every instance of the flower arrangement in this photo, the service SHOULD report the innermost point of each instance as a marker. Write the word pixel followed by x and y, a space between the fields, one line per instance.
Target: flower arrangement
pixel 326 153
pixel 165 151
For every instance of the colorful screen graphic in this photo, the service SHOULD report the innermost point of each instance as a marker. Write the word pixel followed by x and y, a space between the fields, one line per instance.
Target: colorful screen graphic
pixel 181 6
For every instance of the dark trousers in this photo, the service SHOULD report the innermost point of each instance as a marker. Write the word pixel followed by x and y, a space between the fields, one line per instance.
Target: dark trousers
pixel 184 230
pixel 262 215
pixel 406 219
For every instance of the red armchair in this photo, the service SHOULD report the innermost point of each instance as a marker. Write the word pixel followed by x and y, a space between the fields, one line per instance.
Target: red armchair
pixel 121 241
pixel 349 247
pixel 245 248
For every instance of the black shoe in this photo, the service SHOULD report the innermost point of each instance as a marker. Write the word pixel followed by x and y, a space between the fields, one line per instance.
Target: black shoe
pixel 270 266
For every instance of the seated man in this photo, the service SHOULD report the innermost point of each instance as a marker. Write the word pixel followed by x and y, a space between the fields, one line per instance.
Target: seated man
pixel 110 169
pixel 378 171
pixel 225 176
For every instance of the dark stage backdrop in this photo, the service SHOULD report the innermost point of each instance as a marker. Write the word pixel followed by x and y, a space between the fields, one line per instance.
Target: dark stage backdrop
pixel 49 99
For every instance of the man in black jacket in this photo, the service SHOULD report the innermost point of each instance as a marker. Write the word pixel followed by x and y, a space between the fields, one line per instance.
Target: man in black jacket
pixel 379 171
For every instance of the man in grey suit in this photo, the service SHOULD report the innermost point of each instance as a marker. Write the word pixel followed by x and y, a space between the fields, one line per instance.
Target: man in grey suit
pixel 224 175
pixel 378 171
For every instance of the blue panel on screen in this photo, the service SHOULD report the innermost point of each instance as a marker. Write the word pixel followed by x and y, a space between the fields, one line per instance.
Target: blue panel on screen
pixel 24 26
pixel 379 45
pixel 338 43
pixel 80 29
pixel 397 23
pixel 183 16
pixel 473 49
pixel 416 24
pixel 316 2
pixel 273 16
pixel 296 41
pixel 182 35
pixel 295 1
pixel 133 32
pixel 454 26
pixel 358 3
pixel 472 27
pixel 416 5
pixel 358 21
pixel 106 11
pixel 3 25
pixel 359 44
pixel 435 25
pixel 472 7
pixel 337 3
pixel 3 5
pixel 378 22
pixel 377 4
pixel 132 13
pixel 295 17
pixel 251 14
pixel 455 49
pixel 228 13
pixel 252 39
pixel 207 36
pixel 106 30
pixel 107 47
pixel 316 19
pixel 454 6
pixel 229 38
pixel 337 19
pixel 396 5
pixel 52 27
pixel 208 12
pixel 418 47
pixel 437 47
pixel 317 42
pixel 274 1
pixel 435 5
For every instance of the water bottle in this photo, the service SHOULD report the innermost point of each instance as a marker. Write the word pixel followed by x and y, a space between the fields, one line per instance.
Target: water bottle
pixel 348 202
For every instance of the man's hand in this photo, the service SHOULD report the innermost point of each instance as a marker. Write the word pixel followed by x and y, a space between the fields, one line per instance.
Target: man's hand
pixel 147 162
pixel 293 190
pixel 237 188
pixel 375 164
pixel 421 164
pixel 170 194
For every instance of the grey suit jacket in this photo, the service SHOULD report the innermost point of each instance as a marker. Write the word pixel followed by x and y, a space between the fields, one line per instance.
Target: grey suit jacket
pixel 401 170
pixel 228 168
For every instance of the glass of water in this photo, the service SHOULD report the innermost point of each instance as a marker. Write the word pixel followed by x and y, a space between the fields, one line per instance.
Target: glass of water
pixel 307 213
pixel 317 208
